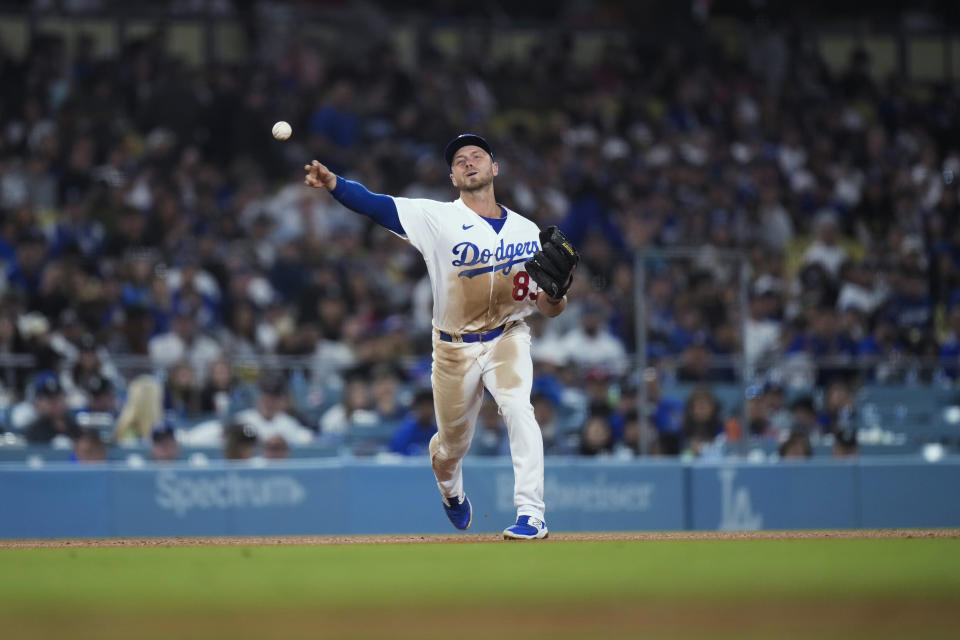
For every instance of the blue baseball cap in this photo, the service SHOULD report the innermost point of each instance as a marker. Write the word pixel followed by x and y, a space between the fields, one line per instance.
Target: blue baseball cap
pixel 464 140
pixel 163 430
pixel 47 384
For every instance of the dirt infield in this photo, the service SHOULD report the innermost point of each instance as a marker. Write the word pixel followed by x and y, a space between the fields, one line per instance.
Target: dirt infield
pixel 623 536
pixel 821 620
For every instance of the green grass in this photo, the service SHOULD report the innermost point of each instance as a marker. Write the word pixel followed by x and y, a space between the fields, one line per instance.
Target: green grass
pixel 559 576
pixel 355 575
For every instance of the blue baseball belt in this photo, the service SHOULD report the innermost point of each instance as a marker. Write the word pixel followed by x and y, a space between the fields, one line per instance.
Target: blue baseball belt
pixel 486 336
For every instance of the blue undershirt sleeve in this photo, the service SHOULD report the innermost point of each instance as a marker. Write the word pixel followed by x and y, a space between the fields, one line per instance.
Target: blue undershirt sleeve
pixel 378 207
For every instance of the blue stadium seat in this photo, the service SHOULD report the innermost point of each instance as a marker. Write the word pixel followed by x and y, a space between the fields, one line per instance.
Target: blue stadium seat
pixel 923 413
pixel 370 439
pixel 570 418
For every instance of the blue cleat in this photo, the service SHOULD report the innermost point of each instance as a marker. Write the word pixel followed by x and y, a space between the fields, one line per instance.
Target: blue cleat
pixel 460 513
pixel 527 528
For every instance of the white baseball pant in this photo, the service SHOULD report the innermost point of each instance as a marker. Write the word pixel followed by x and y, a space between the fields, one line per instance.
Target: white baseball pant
pixel 460 372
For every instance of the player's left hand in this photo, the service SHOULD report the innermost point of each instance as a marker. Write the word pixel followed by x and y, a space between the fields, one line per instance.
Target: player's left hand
pixel 552 267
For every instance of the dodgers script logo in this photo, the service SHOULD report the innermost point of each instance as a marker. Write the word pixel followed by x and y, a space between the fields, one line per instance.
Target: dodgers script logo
pixel 506 255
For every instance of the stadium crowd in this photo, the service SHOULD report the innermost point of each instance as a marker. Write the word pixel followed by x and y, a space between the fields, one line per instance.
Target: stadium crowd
pixel 165 267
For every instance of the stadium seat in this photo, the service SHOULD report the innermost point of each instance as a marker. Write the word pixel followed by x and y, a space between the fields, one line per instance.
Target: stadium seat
pixel 364 439
pixel 922 413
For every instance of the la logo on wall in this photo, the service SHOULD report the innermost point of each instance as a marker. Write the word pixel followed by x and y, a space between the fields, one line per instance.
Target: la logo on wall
pixel 736 512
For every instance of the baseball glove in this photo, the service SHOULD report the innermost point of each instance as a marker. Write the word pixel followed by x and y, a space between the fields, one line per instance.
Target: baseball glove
pixel 552 267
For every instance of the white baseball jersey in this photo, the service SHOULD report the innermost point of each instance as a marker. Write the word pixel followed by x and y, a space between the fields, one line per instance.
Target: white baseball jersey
pixel 476 274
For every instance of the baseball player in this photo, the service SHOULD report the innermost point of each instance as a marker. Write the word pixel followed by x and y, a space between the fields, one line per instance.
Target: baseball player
pixel 489 267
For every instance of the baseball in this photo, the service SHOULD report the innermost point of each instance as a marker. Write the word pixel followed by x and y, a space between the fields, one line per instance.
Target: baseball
pixel 282 130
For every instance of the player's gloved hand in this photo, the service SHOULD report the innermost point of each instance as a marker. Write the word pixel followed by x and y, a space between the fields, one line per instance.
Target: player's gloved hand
pixel 552 267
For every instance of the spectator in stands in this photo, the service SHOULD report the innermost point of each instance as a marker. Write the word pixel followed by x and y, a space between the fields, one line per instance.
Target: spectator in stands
pixel 163 443
pixel 545 413
pixel 909 305
pixel 666 412
pixel 276 448
pixel 386 394
pixel 758 414
pixel 845 443
pixel 53 420
pixel 75 233
pixel 89 447
pixel 838 408
pixel 78 347
pixel 334 352
pixel 34 330
pixel 599 386
pixel 222 391
pixel 762 328
pixel 724 347
pixel 239 335
pixel 70 331
pixel 633 435
pixel 826 250
pixel 815 289
pixel 861 287
pixel 627 400
pixel 412 437
pixel 777 411
pixel 689 327
pixel 181 397
pixel 239 440
pixel 884 349
pixel 803 416
pixel 592 343
pixel 546 343
pixel 822 341
pixel 133 337
pixel 695 363
pixel 130 231
pixel 184 342
pixel 143 409
pixel 596 436
pixel 100 405
pixel 354 408
pixel 778 227
pixel 268 418
pixel 335 120
pixel 797 445
pixel 88 364
pixel 950 347
pixel 25 271
pixel 702 419
pixel 51 297
pixel 10 377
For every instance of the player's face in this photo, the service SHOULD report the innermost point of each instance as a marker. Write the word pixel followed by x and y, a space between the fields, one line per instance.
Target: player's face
pixel 472 169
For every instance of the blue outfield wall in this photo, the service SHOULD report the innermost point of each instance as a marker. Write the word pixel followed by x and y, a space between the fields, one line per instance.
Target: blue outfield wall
pixel 803 495
pixel 337 496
